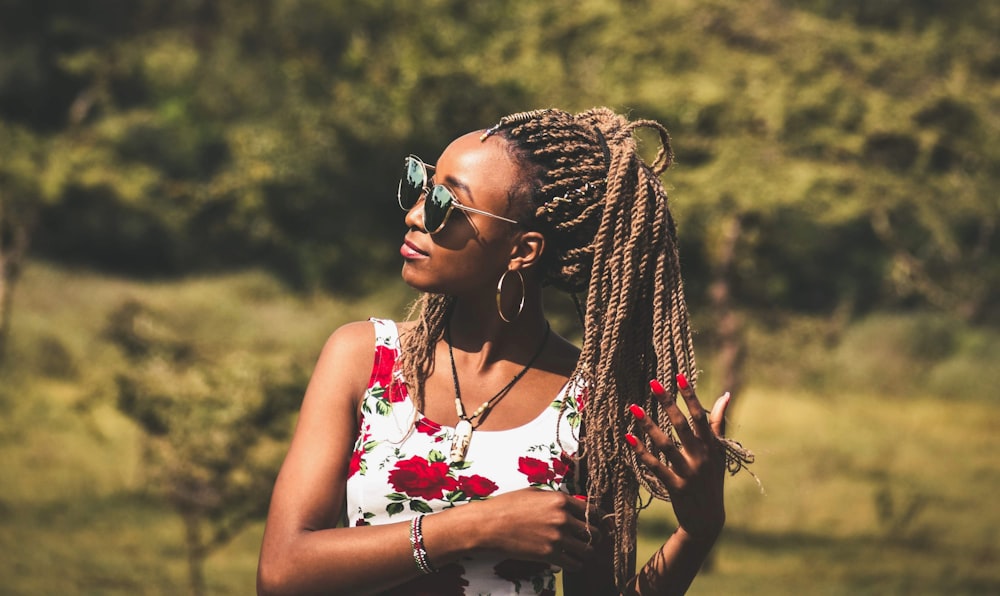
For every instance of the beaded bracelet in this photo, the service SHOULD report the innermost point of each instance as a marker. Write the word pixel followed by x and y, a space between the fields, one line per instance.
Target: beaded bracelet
pixel 417 542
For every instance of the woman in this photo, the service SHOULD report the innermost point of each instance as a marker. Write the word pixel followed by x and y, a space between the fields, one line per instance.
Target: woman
pixel 478 451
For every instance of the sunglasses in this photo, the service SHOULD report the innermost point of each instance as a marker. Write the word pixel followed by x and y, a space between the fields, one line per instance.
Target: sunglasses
pixel 439 201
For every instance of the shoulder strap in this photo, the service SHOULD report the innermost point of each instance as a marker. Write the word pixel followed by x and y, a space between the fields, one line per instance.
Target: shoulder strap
pixel 386 352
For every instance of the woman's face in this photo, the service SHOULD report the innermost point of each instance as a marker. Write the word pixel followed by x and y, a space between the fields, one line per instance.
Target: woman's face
pixel 471 251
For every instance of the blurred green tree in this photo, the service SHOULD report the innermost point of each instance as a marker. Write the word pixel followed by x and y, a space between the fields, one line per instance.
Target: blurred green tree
pixel 20 203
pixel 214 426
pixel 197 135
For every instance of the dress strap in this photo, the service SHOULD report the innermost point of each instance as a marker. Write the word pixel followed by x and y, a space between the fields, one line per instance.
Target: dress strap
pixel 386 333
pixel 386 352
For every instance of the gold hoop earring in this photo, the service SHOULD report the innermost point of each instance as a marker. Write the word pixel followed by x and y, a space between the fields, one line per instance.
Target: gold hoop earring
pixel 520 306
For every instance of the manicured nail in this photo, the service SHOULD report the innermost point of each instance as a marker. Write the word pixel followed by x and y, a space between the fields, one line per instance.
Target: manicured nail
pixel 631 439
pixel 637 411
pixel 581 497
pixel 682 381
pixel 657 387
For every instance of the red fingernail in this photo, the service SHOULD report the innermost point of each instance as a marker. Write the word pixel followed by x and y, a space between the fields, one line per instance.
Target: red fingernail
pixel 637 411
pixel 682 381
pixel 657 387
pixel 581 497
pixel 631 439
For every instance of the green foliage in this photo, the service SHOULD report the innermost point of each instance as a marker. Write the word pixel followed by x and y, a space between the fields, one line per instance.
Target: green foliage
pixel 837 143
pixel 216 425
pixel 218 363
pixel 858 139
pixel 892 355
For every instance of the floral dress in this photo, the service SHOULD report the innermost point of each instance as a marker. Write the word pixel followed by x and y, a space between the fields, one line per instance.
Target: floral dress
pixel 400 469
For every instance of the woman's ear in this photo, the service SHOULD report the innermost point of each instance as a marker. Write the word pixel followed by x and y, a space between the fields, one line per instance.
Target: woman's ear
pixel 527 250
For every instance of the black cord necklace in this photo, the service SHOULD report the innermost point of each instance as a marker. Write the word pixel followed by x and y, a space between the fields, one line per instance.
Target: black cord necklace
pixel 466 424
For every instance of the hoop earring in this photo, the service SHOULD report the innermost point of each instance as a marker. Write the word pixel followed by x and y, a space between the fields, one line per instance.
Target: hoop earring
pixel 520 306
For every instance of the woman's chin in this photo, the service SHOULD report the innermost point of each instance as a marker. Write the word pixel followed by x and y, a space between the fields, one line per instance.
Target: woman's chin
pixel 417 281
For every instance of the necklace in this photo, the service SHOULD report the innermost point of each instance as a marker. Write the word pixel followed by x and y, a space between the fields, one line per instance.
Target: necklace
pixel 466 424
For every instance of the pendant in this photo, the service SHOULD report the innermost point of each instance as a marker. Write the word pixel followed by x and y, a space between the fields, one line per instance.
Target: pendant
pixel 460 442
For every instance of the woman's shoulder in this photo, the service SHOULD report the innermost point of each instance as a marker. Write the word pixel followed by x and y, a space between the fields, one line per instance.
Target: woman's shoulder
pixel 357 340
pixel 362 333
pixel 353 335
pixel 351 347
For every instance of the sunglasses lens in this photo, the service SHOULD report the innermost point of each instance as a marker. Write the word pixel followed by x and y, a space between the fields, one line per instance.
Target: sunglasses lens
pixel 437 206
pixel 412 184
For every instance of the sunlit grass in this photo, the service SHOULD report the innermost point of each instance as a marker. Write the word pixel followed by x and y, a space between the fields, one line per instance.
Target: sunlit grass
pixel 74 494
pixel 865 492
pixel 862 495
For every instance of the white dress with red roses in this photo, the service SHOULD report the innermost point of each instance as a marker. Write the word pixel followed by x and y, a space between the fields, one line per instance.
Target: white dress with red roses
pixel 400 469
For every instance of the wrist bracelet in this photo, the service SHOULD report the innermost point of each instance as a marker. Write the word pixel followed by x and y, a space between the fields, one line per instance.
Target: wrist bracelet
pixel 417 542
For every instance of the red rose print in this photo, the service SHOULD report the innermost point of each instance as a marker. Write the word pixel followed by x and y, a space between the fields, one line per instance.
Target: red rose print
pixel 537 471
pixel 416 477
pixel 476 486
pixel 396 392
pixel 385 359
pixel 559 468
pixel 355 462
pixel 514 570
pixel 427 427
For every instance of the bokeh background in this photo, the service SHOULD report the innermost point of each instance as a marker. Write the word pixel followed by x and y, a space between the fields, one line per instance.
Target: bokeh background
pixel 195 193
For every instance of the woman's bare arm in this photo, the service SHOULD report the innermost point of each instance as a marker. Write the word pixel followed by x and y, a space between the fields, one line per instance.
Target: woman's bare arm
pixel 303 552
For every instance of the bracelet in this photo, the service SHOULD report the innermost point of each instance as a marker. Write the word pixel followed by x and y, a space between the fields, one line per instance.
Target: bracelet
pixel 417 542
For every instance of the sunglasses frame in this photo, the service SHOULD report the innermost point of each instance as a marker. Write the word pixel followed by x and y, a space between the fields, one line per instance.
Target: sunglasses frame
pixel 428 191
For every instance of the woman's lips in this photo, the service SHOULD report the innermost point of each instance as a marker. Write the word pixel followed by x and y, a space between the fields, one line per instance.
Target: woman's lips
pixel 410 251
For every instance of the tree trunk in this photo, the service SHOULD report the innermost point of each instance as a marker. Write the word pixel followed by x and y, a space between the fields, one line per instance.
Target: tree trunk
pixel 730 341
pixel 4 298
pixel 730 344
pixel 12 255
pixel 196 553
pixel 5 293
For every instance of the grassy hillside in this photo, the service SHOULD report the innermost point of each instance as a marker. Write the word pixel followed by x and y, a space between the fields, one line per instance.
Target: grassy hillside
pixel 75 489
pixel 884 490
pixel 862 496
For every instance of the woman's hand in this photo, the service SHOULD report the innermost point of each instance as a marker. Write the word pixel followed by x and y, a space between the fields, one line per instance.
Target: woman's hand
pixel 540 525
pixel 695 468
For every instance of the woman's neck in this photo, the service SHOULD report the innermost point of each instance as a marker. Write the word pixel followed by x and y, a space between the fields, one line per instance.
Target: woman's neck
pixel 479 332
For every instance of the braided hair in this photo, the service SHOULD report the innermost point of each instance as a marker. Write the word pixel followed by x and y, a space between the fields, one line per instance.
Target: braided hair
pixel 610 236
